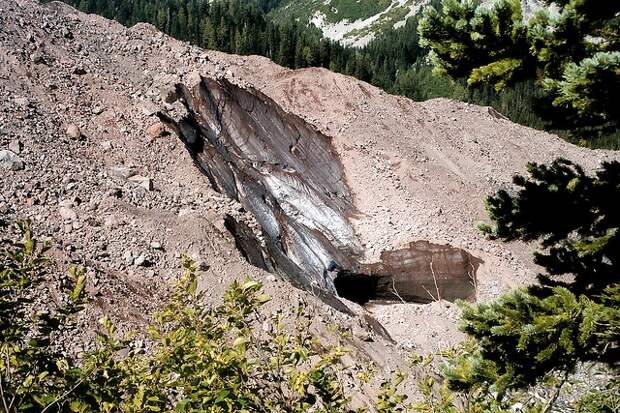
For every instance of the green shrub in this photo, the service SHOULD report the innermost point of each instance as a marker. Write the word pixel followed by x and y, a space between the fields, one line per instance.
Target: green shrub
pixel 200 358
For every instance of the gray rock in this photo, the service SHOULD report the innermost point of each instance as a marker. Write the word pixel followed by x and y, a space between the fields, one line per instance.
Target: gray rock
pixel 141 261
pixel 143 181
pixel 10 160
pixel 66 33
pixel 15 146
pixel 67 213
pixel 21 101
pixel 128 256
pixel 112 221
pixel 122 172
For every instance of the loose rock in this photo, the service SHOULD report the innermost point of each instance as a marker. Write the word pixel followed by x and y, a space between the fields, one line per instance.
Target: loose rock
pixel 74 132
pixel 15 146
pixel 11 161
pixel 142 181
pixel 67 213
pixel 155 131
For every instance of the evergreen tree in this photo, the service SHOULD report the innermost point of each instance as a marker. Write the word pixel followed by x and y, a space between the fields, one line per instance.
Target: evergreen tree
pixel 574 53
pixel 573 315
pixel 209 38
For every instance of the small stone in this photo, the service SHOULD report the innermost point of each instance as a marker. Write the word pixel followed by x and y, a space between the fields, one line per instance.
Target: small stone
pixel 141 261
pixel 156 245
pixel 147 184
pixel 111 221
pixel 143 181
pixel 267 327
pixel 73 132
pixel 66 33
pixel 128 257
pixel 9 160
pixel 22 102
pixel 122 172
pixel 15 146
pixel 97 110
pixel 155 131
pixel 183 212
pixel 362 333
pixel 67 213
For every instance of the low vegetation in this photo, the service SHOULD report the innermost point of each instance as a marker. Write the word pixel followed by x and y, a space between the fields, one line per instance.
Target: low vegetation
pixel 201 358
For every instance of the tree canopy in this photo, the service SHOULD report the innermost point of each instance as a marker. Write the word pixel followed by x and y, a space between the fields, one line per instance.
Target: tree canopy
pixel 570 47
pixel 573 315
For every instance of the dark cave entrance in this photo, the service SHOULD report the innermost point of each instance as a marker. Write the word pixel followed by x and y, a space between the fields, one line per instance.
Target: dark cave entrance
pixel 359 288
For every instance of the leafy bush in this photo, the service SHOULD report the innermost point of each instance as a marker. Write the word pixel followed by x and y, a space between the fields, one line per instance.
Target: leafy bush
pixel 201 358
pixel 33 376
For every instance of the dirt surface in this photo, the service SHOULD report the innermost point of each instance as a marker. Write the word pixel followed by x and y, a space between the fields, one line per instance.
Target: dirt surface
pixel 98 173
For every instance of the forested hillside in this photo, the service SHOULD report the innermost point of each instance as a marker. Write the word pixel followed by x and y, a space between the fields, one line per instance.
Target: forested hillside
pixel 350 22
pixel 393 61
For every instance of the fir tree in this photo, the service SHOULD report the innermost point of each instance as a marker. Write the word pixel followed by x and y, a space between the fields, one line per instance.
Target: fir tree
pixel 573 315
pixel 574 53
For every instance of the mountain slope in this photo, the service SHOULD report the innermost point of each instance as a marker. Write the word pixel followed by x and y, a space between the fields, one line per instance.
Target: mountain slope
pixel 351 22
pixel 357 22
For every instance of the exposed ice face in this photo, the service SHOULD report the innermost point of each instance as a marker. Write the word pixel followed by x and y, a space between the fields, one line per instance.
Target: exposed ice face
pixel 288 175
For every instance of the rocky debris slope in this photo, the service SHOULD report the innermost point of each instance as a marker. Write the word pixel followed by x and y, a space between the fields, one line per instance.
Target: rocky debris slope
pixel 86 158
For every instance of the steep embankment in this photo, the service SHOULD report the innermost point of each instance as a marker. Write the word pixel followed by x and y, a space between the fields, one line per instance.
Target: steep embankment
pixel 318 177
pixel 288 175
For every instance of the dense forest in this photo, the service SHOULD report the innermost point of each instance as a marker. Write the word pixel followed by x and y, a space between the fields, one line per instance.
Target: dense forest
pixel 394 61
